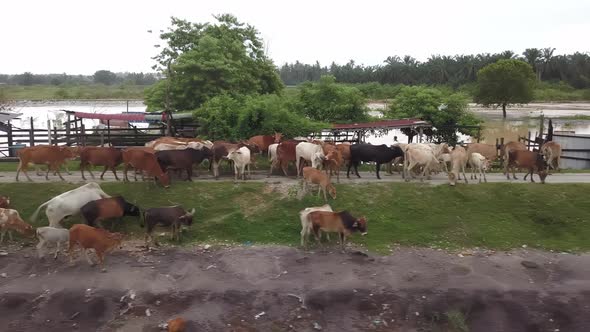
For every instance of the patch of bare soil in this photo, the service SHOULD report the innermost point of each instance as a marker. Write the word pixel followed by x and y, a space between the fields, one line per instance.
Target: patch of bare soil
pixel 281 289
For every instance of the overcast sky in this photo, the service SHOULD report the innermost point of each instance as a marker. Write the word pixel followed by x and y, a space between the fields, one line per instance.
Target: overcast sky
pixel 80 37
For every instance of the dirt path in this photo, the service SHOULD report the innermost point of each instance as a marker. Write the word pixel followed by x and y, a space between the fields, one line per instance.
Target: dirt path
pixel 228 289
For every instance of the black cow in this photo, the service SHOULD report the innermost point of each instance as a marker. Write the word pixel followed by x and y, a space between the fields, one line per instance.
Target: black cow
pixel 172 216
pixel 107 208
pixel 380 154
pixel 182 159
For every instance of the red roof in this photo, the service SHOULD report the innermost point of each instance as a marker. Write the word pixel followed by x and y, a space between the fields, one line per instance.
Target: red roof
pixel 134 117
pixel 401 123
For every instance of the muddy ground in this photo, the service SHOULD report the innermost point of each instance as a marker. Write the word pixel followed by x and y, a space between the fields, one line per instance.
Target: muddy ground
pixel 256 288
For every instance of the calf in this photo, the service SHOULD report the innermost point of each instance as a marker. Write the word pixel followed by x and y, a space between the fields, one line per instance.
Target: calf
pixel 108 157
pixel 306 227
pixel 88 237
pixel 380 154
pixel 10 221
pixel 315 176
pixel 4 202
pixel 458 163
pixel 336 222
pixel 241 158
pixel 107 208
pixel 333 163
pixel 173 217
pixel 479 163
pixel 69 203
pixel 552 152
pixel 183 159
pixel 532 161
pixel 146 161
pixel 51 235
pixel 305 151
pixel 489 151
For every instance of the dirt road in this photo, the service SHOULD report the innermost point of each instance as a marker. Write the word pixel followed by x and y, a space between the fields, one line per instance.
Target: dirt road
pixel 256 288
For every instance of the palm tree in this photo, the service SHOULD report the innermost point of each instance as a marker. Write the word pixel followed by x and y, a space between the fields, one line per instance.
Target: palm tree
pixel 533 56
pixel 547 58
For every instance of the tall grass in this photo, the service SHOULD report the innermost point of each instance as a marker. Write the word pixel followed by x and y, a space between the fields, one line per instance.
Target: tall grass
pixel 91 91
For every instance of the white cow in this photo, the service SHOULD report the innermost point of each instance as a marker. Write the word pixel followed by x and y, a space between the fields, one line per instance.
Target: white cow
pixel 309 152
pixel 458 163
pixel 51 235
pixel 419 155
pixel 306 227
pixel 69 203
pixel 241 158
pixel 272 157
pixel 479 163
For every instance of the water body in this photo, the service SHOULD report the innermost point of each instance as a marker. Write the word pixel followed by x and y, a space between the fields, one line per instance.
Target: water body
pixel 520 120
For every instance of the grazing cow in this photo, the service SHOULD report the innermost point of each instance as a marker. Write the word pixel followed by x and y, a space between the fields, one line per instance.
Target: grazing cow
pixel 51 235
pixel 552 152
pixel 69 203
pixel 107 208
pixel 532 161
pixel 419 155
pixel 183 159
pixel 306 227
pixel 333 163
pixel 458 163
pixel 308 152
pixel 314 176
pixel 505 150
pixel 478 163
pixel 264 141
pixel 88 237
pixel 336 222
pixel 172 216
pixel 146 161
pixel 286 153
pixel 108 157
pixel 380 154
pixel 241 158
pixel 52 156
pixel 4 202
pixel 10 221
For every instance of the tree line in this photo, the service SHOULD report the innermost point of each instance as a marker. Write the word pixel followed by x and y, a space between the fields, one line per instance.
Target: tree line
pixel 573 69
pixel 105 77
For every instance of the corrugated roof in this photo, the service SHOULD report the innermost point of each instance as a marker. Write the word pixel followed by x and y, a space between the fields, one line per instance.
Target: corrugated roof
pixel 400 123
pixel 8 116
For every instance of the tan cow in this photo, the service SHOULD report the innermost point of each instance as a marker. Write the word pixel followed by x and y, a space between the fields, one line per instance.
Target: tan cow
pixel 88 237
pixel 552 152
pixel 10 221
pixel 458 163
pixel 312 175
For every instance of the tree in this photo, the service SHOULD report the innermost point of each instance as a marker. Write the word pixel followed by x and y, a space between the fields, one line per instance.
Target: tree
pixel 105 77
pixel 505 82
pixel 445 111
pixel 331 102
pixel 202 61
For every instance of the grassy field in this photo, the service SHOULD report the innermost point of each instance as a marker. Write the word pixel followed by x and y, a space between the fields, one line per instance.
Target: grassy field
pixel 496 216
pixel 91 91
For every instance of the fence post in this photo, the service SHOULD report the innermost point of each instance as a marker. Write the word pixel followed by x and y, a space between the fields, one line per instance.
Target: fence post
pixel 32 134
pixel 9 139
pixel 528 143
pixel 83 132
pixel 55 134
pixel 49 140
pixel 109 131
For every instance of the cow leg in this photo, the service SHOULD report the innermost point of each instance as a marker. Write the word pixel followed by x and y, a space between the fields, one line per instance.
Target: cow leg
pixel 484 176
pixel 297 162
pixel 67 169
pixel 348 170
pixel 189 173
pixel 249 175
pixel 342 238
pixel 40 247
pixel 47 174
pixel 58 173
pixel 2 236
pixel 88 259
pixel 377 169
pixel 531 173
pixel 463 170
pixel 56 250
pixel 356 170
pixel 125 170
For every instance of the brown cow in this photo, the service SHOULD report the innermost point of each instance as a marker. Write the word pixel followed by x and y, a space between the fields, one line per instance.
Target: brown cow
pixel 505 150
pixel 552 152
pixel 177 325
pixel 88 237
pixel 52 156
pixel 109 157
pixel 10 221
pixel 333 163
pixel 4 202
pixel 286 154
pixel 264 141
pixel 532 161
pixel 315 176
pixel 108 208
pixel 141 159
pixel 336 222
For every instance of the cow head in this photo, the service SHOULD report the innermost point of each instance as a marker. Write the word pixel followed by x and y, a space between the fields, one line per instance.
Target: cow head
pixel 164 179
pixel 131 209
pixel 116 240
pixel 361 225
pixel 278 137
pixel 187 218
pixel 4 202
pixel 542 167
pixel 332 190
pixel 317 158
pixel 452 179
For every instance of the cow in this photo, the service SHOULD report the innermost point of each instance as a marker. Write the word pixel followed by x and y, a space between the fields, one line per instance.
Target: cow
pixel 478 163
pixel 344 149
pixel 305 151
pixel 88 237
pixel 10 221
pixel 306 227
pixel 222 149
pixel 172 216
pixel 52 156
pixel 177 324
pixel 458 163
pixel 314 176
pixel 505 150
pixel 264 141
pixel 146 161
pixel 106 208
pixel 69 203
pixel 4 202
pixel 380 154
pixel 108 157
pixel 241 158
pixel 333 163
pixel 51 235
pixel 272 157
pixel 532 161
pixel 336 222
pixel 285 154
pixel 183 159
pixel 552 152
pixel 419 155
pixel 489 151
pixel 75 153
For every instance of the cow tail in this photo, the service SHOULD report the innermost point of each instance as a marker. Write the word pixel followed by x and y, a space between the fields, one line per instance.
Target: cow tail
pixel 141 218
pixel 36 213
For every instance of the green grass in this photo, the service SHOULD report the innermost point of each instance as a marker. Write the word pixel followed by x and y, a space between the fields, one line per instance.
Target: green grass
pixel 90 91
pixel 494 215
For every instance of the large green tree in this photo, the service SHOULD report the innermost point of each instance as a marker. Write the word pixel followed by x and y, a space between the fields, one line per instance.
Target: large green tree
pixel 203 60
pixel 505 82
pixel 447 112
